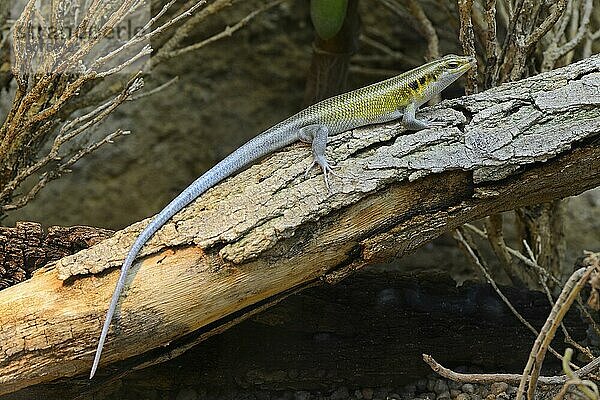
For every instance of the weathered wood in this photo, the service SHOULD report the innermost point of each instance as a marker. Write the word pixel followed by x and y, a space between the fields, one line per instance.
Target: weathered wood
pixel 369 330
pixel 26 247
pixel 268 231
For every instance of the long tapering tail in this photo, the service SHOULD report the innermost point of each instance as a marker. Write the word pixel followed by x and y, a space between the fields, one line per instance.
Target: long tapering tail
pixel 269 141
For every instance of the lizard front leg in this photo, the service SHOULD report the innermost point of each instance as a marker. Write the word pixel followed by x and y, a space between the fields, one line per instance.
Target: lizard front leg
pixel 410 121
pixel 316 135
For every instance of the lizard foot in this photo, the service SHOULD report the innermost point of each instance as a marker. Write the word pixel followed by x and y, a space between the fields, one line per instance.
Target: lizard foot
pixel 325 167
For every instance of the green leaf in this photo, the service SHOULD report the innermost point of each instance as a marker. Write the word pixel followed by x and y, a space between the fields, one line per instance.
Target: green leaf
pixel 328 16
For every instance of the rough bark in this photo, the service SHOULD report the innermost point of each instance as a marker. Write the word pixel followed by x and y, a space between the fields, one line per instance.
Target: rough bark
pixel 369 330
pixel 267 231
pixel 26 247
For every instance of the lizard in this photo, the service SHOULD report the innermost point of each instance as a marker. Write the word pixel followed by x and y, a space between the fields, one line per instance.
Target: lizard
pixel 393 98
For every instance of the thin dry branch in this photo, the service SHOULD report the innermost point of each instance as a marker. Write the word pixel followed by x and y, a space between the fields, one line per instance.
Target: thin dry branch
pixel 42 99
pixel 69 131
pixel 569 293
pixel 427 29
pixel 491 43
pixel 467 40
pixel 468 247
pixel 546 25
pixel 61 169
pixel 508 378
pixel 495 236
pixel 183 31
pixel 542 279
pixel 227 32
pixel 554 51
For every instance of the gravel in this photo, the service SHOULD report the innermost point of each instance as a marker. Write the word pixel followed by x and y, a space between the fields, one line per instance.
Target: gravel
pixel 433 388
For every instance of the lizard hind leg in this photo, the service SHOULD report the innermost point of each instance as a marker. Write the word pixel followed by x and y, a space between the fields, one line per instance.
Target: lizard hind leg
pixel 316 135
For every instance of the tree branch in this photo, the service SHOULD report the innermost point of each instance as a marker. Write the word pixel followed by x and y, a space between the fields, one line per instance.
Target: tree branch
pixel 268 231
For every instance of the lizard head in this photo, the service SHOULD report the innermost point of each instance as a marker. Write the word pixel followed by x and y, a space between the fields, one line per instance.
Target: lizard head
pixel 456 65
pixel 437 75
pixel 451 67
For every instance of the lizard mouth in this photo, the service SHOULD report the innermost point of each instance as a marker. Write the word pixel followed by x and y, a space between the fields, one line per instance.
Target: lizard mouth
pixel 472 62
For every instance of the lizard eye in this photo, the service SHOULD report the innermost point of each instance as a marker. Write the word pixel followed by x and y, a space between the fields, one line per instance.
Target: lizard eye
pixel 453 64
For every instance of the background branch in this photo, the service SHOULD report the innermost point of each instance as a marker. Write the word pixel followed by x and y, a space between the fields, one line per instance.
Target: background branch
pixel 218 264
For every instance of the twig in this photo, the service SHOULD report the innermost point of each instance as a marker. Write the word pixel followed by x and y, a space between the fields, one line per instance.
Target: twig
pixel 493 230
pixel 70 130
pixel 467 40
pixel 554 51
pixel 228 31
pixel 427 29
pixel 61 169
pixel 184 30
pixel 516 254
pixel 542 279
pixel 491 378
pixel 458 235
pixel 155 90
pixel 588 388
pixel 146 50
pixel 563 303
pixel 140 37
pixel 491 44
pixel 541 30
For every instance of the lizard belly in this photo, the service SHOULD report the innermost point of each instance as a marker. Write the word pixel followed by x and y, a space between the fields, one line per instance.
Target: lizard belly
pixel 363 121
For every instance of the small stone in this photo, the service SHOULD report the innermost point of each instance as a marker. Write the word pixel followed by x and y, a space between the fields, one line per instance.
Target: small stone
pixel 341 393
pixel 463 396
pixel 187 394
pixel 394 396
pixel 468 388
pixel 443 396
pixel 428 396
pixel 302 395
pixel 421 385
pixel 498 387
pixel 511 390
pixel 502 396
pixel 454 392
pixel 454 385
pixel 490 396
pixel 367 393
pixel 441 387
pixel 358 394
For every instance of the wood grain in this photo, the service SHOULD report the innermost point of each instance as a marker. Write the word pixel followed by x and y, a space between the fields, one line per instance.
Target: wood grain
pixel 268 231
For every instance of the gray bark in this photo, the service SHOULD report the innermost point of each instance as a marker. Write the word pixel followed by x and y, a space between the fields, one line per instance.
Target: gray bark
pixel 268 232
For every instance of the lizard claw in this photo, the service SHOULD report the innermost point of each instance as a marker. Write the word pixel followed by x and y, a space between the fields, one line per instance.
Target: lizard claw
pixel 325 167
pixel 434 123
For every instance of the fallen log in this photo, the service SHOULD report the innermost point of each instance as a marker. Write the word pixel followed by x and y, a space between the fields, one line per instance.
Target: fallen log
pixel 368 330
pixel 268 232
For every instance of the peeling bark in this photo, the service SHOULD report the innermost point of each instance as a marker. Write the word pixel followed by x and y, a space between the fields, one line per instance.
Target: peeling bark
pixel 268 231
pixel 26 247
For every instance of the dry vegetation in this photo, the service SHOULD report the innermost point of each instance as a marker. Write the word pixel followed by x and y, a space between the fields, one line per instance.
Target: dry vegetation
pixel 62 91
